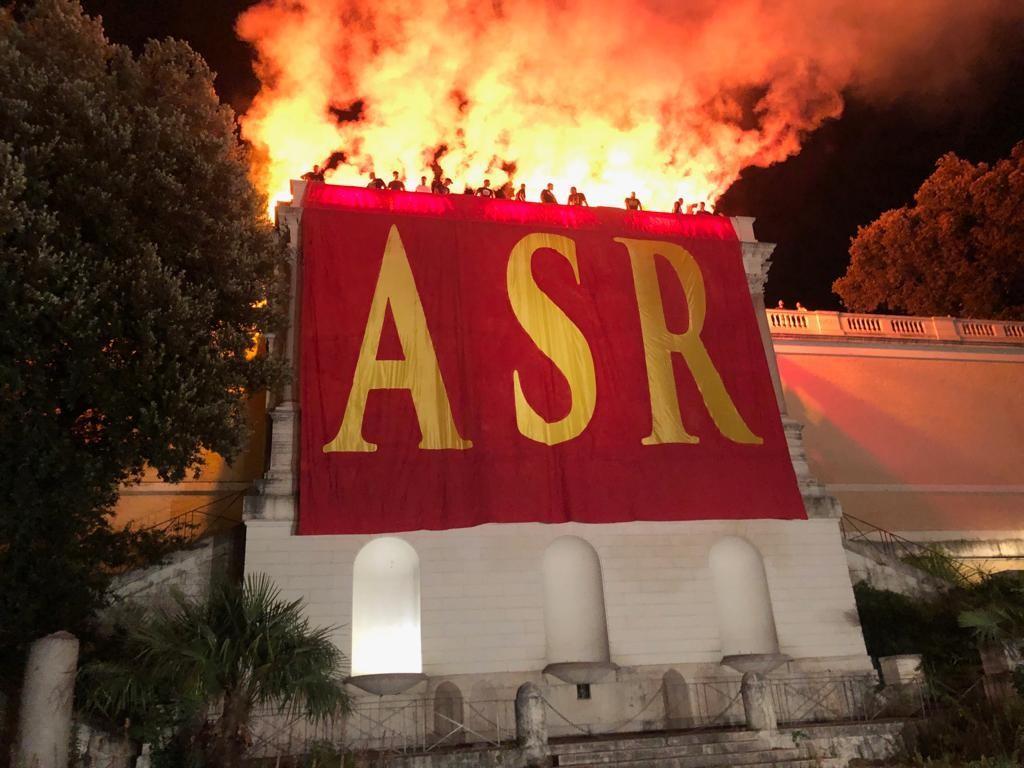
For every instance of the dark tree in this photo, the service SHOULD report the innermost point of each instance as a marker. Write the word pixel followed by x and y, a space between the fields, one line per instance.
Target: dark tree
pixel 136 268
pixel 958 250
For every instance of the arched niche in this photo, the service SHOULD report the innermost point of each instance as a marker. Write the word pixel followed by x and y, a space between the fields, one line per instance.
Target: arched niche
pixel 676 698
pixel 574 616
pixel 386 637
pixel 448 714
pixel 746 622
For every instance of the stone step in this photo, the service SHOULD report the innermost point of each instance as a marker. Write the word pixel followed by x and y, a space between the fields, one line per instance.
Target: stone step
pixel 628 759
pixel 600 743
pixel 663 763
pixel 606 756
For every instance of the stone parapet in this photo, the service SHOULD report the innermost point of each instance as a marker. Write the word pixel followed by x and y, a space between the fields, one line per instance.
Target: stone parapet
pixel 790 323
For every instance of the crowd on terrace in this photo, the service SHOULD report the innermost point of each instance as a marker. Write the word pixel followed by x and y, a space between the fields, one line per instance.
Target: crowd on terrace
pixel 508 191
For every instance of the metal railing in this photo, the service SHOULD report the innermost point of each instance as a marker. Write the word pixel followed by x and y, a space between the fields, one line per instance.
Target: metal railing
pixel 387 725
pixel 933 560
pixel 785 322
pixel 693 705
pixel 155 540
pixel 842 699
pixel 395 726
pixel 886 542
pixel 198 522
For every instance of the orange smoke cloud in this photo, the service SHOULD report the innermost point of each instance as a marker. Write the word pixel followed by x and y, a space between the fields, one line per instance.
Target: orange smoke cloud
pixel 661 97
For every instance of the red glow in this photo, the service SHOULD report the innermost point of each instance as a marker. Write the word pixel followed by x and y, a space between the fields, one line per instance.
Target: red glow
pixel 470 208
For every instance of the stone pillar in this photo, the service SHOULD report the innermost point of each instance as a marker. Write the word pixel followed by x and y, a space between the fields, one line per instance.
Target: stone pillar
pixel 531 725
pixel 44 723
pixel 757 703
pixel 817 500
pixel 273 498
pixel 903 681
pixel 901 670
pixel 998 662
pixel 756 263
pixel 289 220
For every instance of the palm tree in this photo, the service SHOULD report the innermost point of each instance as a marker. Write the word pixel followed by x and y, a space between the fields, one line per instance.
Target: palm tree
pixel 212 662
pixel 994 608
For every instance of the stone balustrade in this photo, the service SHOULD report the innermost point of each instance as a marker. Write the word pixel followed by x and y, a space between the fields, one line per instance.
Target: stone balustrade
pixel 785 322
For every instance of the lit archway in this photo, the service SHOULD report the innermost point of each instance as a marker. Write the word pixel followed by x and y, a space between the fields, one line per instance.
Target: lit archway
pixel 386 635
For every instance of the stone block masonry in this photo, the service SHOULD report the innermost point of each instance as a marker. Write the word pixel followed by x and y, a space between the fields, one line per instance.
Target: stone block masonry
pixel 482 601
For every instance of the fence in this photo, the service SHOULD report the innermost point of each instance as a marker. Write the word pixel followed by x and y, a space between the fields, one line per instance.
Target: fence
pixel 198 522
pixel 388 725
pixel 842 699
pixel 673 705
pixel 933 560
pixel 157 538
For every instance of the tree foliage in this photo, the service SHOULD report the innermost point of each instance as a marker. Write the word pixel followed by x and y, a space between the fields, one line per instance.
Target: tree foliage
pixel 196 673
pixel 996 611
pixel 977 608
pixel 894 624
pixel 958 250
pixel 136 268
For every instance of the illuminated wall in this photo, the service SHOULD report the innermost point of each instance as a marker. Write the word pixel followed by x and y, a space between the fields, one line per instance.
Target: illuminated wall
pixel 386 635
pixel 919 438
pixel 218 490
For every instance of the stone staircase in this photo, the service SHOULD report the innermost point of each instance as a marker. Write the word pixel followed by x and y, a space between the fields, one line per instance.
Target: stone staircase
pixel 821 745
pixel 707 749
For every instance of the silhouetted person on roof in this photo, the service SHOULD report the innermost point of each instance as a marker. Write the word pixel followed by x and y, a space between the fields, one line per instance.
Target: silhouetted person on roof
pixel 521 194
pixel 547 195
pixel 396 184
pixel 577 198
pixel 317 174
pixel 423 185
pixel 677 206
pixel 702 210
pixel 632 203
pixel 375 183
pixel 485 190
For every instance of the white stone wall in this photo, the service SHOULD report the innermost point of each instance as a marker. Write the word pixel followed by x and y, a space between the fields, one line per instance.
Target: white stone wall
pixel 482 596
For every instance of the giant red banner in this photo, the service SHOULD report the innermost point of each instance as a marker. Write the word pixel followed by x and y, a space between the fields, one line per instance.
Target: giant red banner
pixel 469 361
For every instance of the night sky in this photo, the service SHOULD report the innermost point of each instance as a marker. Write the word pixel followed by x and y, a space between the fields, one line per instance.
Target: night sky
pixel 870 160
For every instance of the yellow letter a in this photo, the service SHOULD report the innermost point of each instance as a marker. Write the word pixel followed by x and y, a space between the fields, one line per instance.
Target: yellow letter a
pixel 418 372
pixel 660 343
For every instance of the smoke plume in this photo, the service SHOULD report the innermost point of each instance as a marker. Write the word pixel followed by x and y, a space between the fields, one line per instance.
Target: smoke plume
pixel 665 98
